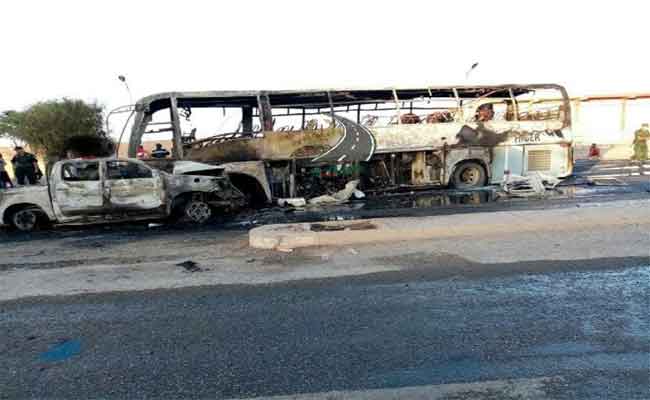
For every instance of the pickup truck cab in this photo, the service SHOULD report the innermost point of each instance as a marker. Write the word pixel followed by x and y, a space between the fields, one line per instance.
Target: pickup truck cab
pixel 110 190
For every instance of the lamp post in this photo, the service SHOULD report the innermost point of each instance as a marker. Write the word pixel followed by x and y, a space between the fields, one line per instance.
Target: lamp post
pixel 472 68
pixel 130 108
pixel 122 78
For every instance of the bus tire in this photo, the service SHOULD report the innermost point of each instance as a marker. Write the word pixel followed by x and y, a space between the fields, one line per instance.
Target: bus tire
pixel 469 175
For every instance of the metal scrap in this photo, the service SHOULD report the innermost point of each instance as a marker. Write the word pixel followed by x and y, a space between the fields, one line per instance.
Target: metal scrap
pixel 339 197
pixel 533 184
pixel 190 266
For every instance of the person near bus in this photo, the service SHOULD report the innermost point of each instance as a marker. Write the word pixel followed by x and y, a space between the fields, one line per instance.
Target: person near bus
pixel 594 152
pixel 485 112
pixel 25 167
pixel 640 143
pixel 141 153
pixel 5 180
pixel 159 151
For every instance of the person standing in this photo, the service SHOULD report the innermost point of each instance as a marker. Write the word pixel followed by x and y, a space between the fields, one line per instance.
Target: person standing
pixel 25 167
pixel 641 137
pixel 159 151
pixel 594 152
pixel 5 181
pixel 141 153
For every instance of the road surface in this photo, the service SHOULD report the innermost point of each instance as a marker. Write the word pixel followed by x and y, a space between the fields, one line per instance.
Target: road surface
pixel 582 332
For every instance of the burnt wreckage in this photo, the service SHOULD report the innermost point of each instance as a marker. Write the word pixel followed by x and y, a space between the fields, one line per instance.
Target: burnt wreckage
pixel 284 144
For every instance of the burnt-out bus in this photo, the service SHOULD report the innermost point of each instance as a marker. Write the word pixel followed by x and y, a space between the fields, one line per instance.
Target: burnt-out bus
pixel 303 143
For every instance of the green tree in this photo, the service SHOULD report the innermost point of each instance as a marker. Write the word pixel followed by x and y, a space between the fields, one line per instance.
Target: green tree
pixel 48 127
pixel 9 123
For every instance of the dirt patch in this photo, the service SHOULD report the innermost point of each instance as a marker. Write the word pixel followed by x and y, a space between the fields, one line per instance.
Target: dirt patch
pixel 84 261
pixel 292 260
pixel 427 260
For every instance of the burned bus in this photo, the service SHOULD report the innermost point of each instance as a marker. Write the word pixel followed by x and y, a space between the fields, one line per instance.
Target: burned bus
pixel 304 143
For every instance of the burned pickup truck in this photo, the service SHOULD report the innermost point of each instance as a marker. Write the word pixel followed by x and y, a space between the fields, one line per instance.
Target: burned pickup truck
pixel 113 190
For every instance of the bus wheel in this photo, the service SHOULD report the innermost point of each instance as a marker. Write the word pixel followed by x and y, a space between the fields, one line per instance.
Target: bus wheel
pixel 469 175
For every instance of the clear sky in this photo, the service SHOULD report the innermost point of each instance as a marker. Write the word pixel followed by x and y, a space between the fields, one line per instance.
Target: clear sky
pixel 78 48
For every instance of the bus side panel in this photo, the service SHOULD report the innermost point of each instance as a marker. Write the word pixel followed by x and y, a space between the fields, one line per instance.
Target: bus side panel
pixel 515 162
pixel 552 159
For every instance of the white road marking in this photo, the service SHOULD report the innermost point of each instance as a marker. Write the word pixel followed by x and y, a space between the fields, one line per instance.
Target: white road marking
pixel 532 388
pixel 342 157
pixel 357 139
pixel 354 146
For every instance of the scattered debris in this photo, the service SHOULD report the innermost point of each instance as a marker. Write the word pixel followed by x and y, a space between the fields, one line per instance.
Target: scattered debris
pixel 534 184
pixel 339 197
pixel 608 182
pixel 284 249
pixel 353 251
pixel 250 260
pixel 354 226
pixel 65 349
pixel 293 202
pixel 577 181
pixel 190 266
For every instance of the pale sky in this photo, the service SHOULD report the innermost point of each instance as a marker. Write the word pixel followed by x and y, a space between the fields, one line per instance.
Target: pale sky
pixel 77 49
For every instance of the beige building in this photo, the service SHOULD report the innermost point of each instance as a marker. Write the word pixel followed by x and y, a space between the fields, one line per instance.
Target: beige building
pixel 609 121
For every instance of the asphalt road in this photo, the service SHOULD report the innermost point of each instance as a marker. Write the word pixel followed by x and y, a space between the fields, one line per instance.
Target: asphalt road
pixel 586 327
pixel 357 144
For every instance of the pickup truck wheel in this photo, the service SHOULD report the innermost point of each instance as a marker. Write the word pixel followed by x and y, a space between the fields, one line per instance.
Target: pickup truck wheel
pixel 198 211
pixel 25 220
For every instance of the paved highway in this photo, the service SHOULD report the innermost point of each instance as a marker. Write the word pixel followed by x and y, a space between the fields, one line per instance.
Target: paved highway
pixel 583 331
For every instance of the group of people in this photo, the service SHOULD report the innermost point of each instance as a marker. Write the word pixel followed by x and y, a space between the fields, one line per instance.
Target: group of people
pixel 25 167
pixel 158 152
pixel 639 145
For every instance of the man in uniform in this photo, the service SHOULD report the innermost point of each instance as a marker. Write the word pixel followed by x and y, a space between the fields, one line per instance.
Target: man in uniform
pixel 641 137
pixel 159 151
pixel 25 167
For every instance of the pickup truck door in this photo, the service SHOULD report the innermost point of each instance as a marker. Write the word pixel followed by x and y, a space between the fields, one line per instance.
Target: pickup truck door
pixel 132 186
pixel 78 189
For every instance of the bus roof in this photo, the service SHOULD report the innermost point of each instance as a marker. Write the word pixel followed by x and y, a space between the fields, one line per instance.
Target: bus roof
pixel 312 98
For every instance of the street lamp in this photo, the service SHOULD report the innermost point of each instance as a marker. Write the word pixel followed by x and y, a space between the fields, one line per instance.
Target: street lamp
pixel 472 68
pixel 126 85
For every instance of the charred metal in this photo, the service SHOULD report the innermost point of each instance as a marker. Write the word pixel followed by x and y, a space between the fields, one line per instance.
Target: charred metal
pixel 307 143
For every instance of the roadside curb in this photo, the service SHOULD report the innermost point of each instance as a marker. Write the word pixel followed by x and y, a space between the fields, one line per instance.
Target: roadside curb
pixel 339 233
